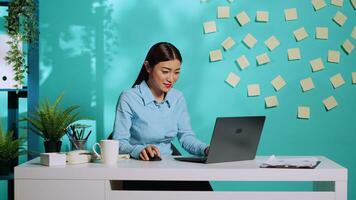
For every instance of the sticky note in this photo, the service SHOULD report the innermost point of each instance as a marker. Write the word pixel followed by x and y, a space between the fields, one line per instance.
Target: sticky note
pixel 232 79
pixel 340 18
pixel 272 43
pixel 353 77
pixel 353 2
pixel 209 27
pixel 318 4
pixel 262 59
pixel 333 56
pixel 278 83
pixel 303 112
pixel 242 18
pixel 262 16
pixel 348 46
pixel 253 90
pixel 337 2
pixel 307 84
pixel 294 54
pixel 228 43
pixel 337 80
pixel 290 14
pixel 242 62
pixel 353 33
pixel 249 40
pixel 271 101
pixel 330 103
pixel 215 55
pixel 300 34
pixel 223 12
pixel 321 33
pixel 317 64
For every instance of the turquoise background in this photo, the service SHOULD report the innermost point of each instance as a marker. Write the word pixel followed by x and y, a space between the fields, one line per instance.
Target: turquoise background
pixel 93 50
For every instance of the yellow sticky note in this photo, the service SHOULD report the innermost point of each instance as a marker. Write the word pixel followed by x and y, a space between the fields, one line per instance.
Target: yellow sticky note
pixel 307 84
pixel 353 2
pixel 278 83
pixel 300 34
pixel 318 4
pixel 253 90
pixel 353 33
pixel 348 46
pixel 322 33
pixel 223 12
pixel 333 56
pixel 272 43
pixel 353 77
pixel 340 18
pixel 262 16
pixel 228 43
pixel 303 112
pixel 249 40
pixel 242 18
pixel 294 54
pixel 209 27
pixel 232 79
pixel 337 80
pixel 271 101
pixel 337 2
pixel 262 59
pixel 317 64
pixel 215 55
pixel 243 62
pixel 330 103
pixel 290 14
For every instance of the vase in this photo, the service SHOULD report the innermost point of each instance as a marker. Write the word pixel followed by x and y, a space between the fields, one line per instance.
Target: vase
pixel 79 144
pixel 5 167
pixel 52 146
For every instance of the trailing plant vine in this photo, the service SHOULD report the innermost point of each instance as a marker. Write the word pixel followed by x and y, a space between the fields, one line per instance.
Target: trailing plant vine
pixel 21 25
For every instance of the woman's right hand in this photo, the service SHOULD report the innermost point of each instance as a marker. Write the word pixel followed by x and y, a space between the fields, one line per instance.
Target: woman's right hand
pixel 149 151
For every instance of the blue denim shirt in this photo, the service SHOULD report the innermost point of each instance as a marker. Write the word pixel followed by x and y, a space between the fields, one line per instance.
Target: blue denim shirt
pixel 141 121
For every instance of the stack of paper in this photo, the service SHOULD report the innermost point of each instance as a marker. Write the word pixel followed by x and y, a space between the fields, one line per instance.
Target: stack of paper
pixel 298 162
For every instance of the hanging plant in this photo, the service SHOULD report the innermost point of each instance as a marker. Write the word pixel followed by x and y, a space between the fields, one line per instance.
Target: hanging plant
pixel 21 25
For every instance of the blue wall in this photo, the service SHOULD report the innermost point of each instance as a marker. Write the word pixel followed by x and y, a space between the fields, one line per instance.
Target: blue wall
pixel 95 50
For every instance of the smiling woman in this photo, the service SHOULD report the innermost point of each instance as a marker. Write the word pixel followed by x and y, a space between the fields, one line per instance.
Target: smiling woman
pixel 152 113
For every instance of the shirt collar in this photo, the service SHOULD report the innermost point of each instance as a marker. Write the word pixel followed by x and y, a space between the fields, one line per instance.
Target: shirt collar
pixel 148 96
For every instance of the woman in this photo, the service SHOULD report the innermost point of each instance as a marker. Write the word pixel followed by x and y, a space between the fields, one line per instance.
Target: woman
pixel 152 113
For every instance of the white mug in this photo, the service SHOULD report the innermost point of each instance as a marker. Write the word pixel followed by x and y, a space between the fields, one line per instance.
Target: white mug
pixel 109 151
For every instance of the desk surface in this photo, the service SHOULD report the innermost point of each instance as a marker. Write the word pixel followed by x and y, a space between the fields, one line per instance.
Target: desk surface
pixel 170 169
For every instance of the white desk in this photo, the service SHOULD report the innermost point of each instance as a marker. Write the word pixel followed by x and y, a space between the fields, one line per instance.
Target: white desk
pixel 96 181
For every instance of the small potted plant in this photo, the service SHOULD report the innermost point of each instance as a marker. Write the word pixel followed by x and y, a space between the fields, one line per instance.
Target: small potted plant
pixel 50 122
pixel 10 149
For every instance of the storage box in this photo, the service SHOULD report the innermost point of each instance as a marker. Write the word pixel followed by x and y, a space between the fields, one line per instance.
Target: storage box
pixel 53 159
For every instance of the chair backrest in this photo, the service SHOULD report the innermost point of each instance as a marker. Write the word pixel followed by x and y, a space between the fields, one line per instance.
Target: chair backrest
pixel 175 151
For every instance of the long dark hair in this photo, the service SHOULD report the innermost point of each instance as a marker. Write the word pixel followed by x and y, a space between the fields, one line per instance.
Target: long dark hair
pixel 160 52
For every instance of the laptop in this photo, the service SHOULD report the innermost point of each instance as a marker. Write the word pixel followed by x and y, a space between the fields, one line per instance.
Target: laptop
pixel 234 139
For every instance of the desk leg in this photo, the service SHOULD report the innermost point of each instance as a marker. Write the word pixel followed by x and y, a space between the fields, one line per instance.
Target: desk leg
pixel 339 187
pixel 10 189
pixel 341 190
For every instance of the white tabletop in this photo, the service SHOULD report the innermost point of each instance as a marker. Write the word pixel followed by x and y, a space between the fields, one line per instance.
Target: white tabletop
pixel 170 169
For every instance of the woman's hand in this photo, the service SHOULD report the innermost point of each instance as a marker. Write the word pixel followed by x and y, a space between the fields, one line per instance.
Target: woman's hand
pixel 149 151
pixel 206 150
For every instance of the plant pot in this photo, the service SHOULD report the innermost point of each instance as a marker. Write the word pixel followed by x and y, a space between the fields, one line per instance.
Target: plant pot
pixel 5 167
pixel 52 146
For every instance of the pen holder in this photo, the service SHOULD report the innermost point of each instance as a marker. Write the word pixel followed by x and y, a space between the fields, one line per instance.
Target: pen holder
pixel 79 144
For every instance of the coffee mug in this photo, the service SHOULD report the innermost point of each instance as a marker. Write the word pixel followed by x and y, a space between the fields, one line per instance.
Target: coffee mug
pixel 109 151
